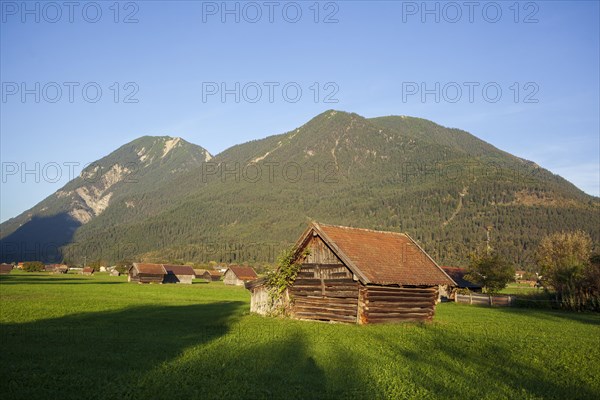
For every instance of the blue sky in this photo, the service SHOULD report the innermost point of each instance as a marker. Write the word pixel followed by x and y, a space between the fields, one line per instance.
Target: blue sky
pixel 372 58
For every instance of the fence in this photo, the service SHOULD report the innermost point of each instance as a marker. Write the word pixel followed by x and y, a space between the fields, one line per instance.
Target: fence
pixel 484 299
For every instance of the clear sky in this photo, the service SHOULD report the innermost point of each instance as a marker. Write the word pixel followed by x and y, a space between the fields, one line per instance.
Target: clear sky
pixel 443 61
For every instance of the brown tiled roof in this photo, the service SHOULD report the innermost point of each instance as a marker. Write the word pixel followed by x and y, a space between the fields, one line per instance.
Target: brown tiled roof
pixel 179 269
pixel 382 258
pixel 212 272
pixel 88 269
pixel 154 269
pixel 244 273
pixel 458 275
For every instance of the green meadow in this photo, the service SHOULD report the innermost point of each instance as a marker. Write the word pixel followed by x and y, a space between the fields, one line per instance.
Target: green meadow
pixel 75 337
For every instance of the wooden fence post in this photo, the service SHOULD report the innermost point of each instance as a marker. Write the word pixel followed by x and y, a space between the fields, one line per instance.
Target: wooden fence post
pixel 470 298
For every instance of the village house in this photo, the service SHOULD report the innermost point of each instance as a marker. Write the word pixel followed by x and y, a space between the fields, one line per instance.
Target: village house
pixel 146 273
pixel 237 275
pixel 178 274
pixel 358 276
pixel 5 269
pixel 448 292
pixel 87 271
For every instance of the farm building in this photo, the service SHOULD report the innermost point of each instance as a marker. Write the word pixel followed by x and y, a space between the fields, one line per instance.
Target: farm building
pixel 209 275
pixel 212 275
pixel 178 274
pixel 87 271
pixel 448 292
pixel 114 272
pixel 259 302
pixel 199 273
pixel 237 275
pixel 359 276
pixel 146 273
pixel 61 269
pixel 5 269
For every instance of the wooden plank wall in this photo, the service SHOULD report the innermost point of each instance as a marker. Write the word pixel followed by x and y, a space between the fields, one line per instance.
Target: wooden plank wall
pixel 395 304
pixel 320 253
pixel 325 292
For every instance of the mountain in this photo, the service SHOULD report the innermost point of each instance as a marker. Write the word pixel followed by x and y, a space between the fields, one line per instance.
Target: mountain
pixel 110 185
pixel 443 186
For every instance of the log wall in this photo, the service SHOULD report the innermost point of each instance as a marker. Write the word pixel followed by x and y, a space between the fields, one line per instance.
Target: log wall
pixel 325 292
pixel 145 278
pixel 395 304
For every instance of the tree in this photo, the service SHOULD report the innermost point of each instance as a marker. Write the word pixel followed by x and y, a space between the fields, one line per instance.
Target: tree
pixel 123 266
pixel 33 266
pixel 564 260
pixel 591 277
pixel 490 271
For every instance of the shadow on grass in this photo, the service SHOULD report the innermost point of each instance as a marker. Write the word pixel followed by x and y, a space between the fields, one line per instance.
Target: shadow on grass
pixel 208 351
pixel 103 355
pixel 154 352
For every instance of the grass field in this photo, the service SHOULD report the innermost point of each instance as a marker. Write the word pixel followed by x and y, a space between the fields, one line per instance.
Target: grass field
pixel 76 337
pixel 520 289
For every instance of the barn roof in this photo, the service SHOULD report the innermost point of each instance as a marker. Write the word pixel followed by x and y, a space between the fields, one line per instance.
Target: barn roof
pixel 458 275
pixel 244 273
pixel 377 257
pixel 88 269
pixel 179 269
pixel 153 269
pixel 199 272
pixel 213 272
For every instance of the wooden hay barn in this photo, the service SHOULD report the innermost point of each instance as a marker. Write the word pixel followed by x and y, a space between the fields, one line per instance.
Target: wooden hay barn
pixel 5 269
pixel 61 269
pixel 87 271
pixel 360 276
pixel 236 275
pixel 146 273
pixel 178 274
pixel 50 267
pixel 212 275
pixel 199 273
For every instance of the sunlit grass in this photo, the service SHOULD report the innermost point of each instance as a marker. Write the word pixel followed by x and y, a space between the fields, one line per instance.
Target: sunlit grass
pixel 74 337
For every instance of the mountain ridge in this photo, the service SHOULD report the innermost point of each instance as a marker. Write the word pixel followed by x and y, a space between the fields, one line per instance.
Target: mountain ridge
pixel 442 185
